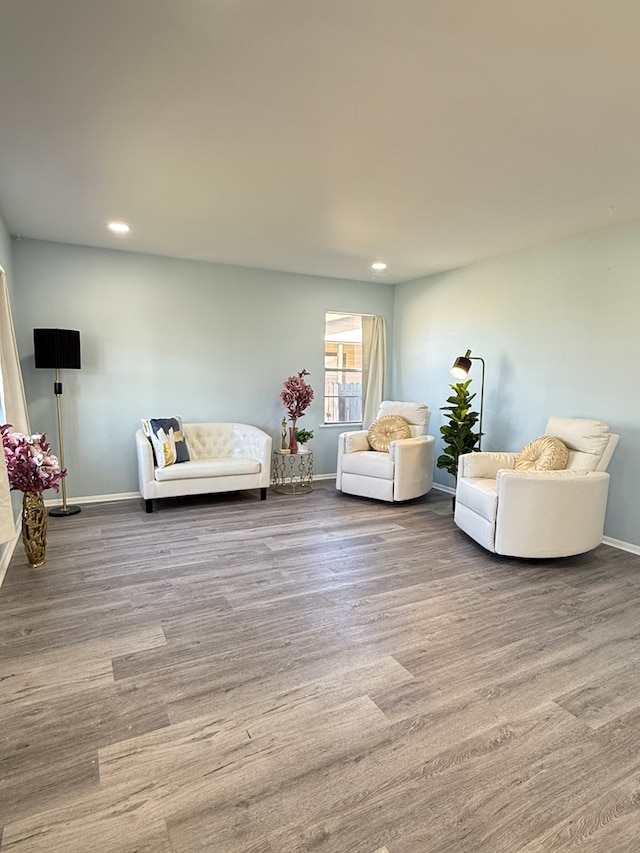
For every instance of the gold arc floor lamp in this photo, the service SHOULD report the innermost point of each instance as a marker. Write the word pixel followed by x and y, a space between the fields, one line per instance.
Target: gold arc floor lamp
pixel 58 349
pixel 460 369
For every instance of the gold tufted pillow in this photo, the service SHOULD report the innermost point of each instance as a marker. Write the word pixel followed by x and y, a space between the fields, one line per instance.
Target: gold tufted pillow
pixel 546 453
pixel 387 429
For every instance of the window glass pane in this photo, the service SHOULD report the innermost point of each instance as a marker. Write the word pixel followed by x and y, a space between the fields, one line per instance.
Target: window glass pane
pixel 343 368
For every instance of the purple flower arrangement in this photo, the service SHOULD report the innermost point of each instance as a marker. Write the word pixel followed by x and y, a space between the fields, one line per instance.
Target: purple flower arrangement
pixel 297 395
pixel 30 464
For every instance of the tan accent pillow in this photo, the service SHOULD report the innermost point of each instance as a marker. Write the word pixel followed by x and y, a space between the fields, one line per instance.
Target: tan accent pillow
pixel 387 429
pixel 546 453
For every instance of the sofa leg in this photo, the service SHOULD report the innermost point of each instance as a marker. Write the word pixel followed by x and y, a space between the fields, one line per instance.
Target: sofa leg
pixel 263 493
pixel 148 505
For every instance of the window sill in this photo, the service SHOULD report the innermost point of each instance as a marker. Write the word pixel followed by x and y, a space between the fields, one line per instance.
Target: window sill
pixel 353 424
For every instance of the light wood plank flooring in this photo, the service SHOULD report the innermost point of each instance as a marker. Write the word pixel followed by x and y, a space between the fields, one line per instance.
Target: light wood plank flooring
pixel 314 673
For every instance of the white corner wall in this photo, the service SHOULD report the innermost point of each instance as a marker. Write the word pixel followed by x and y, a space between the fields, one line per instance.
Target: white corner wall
pixel 6 262
pixel 557 327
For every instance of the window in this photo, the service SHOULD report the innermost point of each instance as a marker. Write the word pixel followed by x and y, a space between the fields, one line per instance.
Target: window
pixel 342 368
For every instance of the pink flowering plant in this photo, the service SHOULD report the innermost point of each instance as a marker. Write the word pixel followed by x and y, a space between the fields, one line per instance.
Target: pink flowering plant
pixel 297 395
pixel 30 464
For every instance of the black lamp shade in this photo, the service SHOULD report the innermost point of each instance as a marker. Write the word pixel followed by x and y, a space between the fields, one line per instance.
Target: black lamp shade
pixel 461 366
pixel 57 348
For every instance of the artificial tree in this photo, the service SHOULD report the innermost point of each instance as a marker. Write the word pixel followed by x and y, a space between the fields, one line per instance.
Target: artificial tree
pixel 458 434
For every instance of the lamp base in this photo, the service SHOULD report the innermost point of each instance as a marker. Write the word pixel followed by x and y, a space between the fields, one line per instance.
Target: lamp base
pixel 61 510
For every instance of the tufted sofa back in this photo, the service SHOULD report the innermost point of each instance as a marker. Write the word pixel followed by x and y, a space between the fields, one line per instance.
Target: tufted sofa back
pixel 209 441
pixel 223 440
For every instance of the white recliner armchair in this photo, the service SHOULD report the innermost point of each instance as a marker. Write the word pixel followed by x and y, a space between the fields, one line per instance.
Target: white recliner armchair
pixel 538 513
pixel 405 471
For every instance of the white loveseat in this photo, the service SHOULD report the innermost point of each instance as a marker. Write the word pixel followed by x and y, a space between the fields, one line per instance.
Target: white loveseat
pixel 224 457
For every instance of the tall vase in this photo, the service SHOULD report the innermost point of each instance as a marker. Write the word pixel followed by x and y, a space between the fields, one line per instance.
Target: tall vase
pixel 293 441
pixel 34 528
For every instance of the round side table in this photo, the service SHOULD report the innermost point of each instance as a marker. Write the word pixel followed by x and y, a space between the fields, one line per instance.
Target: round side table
pixel 292 472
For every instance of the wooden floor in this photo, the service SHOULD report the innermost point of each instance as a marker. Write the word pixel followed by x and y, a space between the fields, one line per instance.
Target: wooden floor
pixel 314 673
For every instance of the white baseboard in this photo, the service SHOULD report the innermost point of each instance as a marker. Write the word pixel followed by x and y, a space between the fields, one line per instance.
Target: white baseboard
pixel 127 496
pixel 9 548
pixel 94 499
pixel 448 489
pixel 621 545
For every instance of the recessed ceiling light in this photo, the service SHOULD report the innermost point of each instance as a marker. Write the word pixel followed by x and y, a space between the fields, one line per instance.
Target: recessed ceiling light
pixel 119 227
pixel 378 266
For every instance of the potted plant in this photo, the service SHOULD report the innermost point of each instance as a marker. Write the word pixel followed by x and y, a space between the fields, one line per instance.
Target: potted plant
pixel 31 468
pixel 296 396
pixel 303 437
pixel 458 434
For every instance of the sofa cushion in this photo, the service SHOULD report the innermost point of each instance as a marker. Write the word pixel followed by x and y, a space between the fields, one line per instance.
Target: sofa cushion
pixel 415 414
pixel 370 463
pixel 579 461
pixel 387 429
pixel 478 494
pixel 208 468
pixel 167 439
pixel 546 453
pixel 586 435
pixel 588 441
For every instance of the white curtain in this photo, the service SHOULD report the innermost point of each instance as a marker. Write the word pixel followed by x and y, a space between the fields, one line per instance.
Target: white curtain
pixel 13 399
pixel 374 359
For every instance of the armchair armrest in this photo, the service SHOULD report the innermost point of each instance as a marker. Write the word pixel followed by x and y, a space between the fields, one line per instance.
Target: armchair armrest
pixel 569 506
pixel 349 442
pixel 146 464
pixel 355 441
pixel 413 466
pixel 485 464
pixel 254 443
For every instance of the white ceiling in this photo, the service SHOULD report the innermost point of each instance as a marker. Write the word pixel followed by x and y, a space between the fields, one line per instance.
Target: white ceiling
pixel 316 136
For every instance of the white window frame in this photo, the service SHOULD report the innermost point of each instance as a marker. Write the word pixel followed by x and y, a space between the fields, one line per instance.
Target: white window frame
pixel 332 401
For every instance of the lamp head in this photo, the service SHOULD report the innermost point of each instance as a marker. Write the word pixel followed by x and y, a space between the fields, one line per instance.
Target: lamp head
pixel 462 366
pixel 57 348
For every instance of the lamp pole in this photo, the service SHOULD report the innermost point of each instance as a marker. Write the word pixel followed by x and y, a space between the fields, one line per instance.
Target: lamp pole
pixel 478 358
pixel 460 369
pixel 64 509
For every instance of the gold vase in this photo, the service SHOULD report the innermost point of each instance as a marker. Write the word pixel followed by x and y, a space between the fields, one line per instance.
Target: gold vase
pixel 34 528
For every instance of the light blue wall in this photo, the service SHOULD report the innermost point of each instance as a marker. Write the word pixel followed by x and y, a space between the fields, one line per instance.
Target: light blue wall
pixel 557 327
pixel 163 337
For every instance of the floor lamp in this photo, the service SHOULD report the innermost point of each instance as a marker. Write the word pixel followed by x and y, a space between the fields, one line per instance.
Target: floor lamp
pixel 58 349
pixel 460 369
